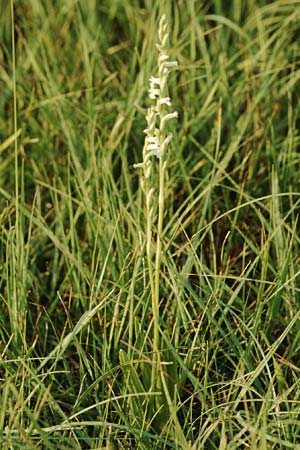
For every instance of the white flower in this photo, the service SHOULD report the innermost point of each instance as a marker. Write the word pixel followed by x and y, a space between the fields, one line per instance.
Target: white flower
pixel 154 92
pixel 154 81
pixel 163 60
pixel 171 64
pixel 152 140
pixel 168 140
pixel 167 117
pixel 156 152
pixel 163 57
pixel 153 146
pixel 164 101
pixel 138 166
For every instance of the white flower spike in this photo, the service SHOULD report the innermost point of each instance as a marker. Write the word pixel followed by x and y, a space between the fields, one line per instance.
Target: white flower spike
pixel 157 139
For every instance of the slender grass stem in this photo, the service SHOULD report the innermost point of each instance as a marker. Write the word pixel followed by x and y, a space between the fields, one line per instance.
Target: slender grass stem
pixel 16 323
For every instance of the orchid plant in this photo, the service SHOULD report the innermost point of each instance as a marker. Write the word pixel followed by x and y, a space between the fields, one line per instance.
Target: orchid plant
pixel 155 150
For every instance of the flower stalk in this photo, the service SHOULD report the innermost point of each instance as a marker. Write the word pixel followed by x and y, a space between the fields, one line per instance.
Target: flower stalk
pixel 157 141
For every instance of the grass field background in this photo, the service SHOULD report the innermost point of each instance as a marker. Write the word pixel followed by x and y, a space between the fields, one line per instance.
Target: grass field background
pixel 76 321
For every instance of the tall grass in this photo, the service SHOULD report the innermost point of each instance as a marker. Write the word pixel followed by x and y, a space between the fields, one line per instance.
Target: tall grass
pixel 76 314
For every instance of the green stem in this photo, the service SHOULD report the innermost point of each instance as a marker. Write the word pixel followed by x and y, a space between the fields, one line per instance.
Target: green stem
pixel 149 253
pixel 158 248
pixel 156 296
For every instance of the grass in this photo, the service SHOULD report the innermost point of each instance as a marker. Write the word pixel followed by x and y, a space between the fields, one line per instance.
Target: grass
pixel 76 316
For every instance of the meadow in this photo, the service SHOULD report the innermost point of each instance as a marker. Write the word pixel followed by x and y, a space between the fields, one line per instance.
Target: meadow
pixel 151 313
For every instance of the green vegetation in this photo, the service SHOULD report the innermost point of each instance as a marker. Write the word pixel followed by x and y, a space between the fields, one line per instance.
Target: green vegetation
pixel 77 320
